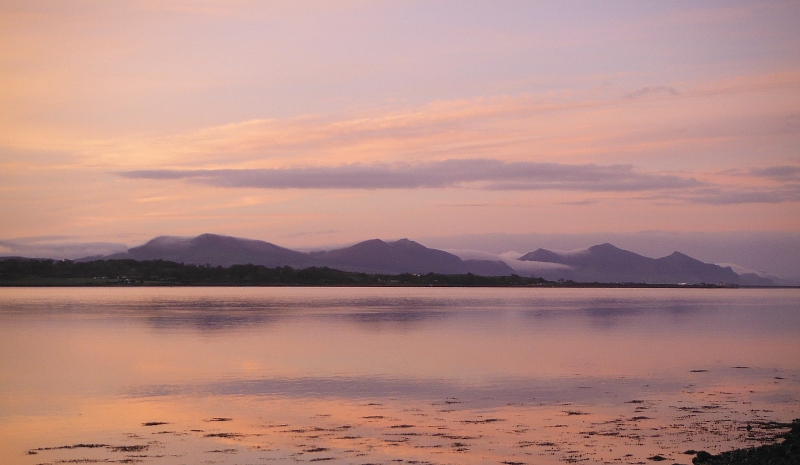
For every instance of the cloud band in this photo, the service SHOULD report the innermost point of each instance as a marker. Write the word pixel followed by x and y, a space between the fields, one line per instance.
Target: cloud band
pixel 476 173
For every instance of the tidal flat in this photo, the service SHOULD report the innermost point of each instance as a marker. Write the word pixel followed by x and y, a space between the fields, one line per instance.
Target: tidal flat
pixel 393 375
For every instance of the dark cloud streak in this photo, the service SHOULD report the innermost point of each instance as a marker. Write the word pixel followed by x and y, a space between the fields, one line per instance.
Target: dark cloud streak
pixel 477 173
pixel 491 174
pixel 727 196
pixel 778 173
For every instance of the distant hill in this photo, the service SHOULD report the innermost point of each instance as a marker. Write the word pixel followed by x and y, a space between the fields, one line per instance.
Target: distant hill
pixel 602 263
pixel 406 256
pixel 217 250
pixel 372 256
pixel 609 264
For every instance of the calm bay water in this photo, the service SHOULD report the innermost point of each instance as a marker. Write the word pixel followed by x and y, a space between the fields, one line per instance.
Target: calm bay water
pixel 382 375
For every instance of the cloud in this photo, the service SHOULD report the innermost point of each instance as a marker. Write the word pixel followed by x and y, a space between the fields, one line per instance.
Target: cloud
pixel 651 90
pixel 453 173
pixel 57 247
pixel 488 174
pixel 731 196
pixel 511 259
pixel 581 202
pixel 777 173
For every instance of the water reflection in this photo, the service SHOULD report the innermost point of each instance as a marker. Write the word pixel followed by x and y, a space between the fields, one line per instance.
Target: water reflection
pixel 493 394
pixel 432 375
pixel 211 319
pixel 249 308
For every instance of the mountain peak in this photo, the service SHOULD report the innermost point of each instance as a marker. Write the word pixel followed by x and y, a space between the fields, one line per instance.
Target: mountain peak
pixel 408 244
pixel 216 249
pixel 402 256
pixel 218 236
pixel 679 257
pixel 165 241
pixel 542 255
pixel 209 238
pixel 608 263
pixel 605 247
pixel 373 241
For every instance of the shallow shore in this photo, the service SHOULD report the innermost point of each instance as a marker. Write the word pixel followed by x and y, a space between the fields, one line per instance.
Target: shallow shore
pixel 786 452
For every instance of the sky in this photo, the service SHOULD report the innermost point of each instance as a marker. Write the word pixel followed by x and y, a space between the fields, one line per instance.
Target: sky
pixel 313 123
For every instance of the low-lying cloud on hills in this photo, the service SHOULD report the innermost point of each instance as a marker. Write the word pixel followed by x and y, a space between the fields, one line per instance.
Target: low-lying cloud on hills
pixel 603 263
pixel 766 253
pixel 773 256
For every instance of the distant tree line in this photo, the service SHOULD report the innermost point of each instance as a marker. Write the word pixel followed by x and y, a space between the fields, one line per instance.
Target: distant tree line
pixel 37 272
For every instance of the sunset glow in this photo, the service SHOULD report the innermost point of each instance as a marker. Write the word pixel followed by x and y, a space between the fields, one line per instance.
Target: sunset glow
pixel 307 124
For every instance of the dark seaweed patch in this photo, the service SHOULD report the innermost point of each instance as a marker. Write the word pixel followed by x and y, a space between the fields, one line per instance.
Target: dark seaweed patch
pixel 224 435
pixel 134 448
pixel 454 437
pixel 74 446
pixel 316 449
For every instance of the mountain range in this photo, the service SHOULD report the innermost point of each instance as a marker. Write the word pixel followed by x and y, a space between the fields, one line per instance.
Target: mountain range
pixel 216 250
pixel 603 263
pixel 372 256
pixel 606 263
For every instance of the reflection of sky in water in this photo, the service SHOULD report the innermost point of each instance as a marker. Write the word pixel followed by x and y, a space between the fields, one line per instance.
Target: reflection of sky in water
pixel 64 353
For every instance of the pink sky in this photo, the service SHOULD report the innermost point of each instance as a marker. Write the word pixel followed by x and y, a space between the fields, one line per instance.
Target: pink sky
pixel 315 123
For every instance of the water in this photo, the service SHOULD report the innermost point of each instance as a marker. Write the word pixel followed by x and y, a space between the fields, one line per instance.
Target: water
pixel 382 375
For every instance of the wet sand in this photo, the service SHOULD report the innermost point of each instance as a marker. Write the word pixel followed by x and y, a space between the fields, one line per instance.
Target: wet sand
pixel 452 430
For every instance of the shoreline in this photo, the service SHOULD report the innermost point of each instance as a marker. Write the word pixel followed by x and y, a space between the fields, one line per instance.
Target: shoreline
pixel 51 284
pixel 159 273
pixel 786 452
pixel 444 281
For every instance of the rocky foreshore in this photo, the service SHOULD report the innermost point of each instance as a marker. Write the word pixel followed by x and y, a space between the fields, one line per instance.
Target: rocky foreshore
pixel 786 452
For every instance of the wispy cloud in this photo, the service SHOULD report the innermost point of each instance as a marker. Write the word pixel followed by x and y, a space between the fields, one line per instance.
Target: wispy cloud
pixel 58 247
pixel 476 173
pixel 651 90
pixel 581 202
pixel 488 174
pixel 733 196
pixel 777 173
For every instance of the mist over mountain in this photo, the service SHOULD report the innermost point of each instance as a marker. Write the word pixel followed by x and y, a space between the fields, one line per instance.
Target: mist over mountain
pixel 406 256
pixel 213 249
pixel 372 256
pixel 604 263
pixel 762 252
pixel 771 255
pixel 607 263
pixel 58 248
